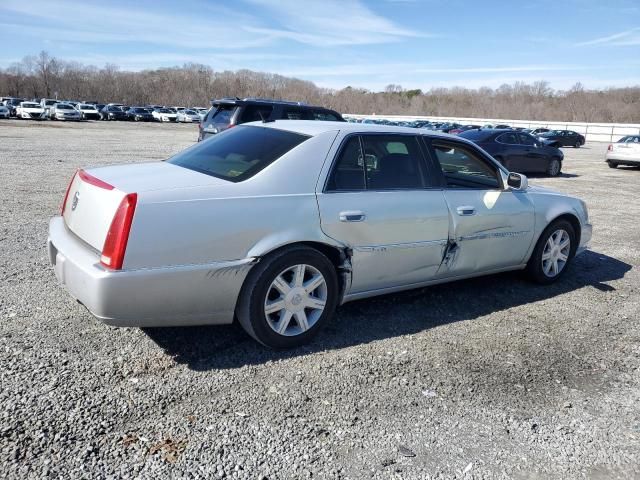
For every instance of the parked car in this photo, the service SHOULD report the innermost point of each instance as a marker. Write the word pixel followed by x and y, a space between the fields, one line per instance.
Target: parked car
pixel 30 110
pixel 625 151
pixel 88 111
pixel 538 131
pixel 562 138
pixel 240 239
pixel 100 106
pixel 187 115
pixel 518 151
pixel 164 115
pixel 446 127
pixel 113 112
pixel 229 112
pixel 464 128
pixel 4 112
pixel 140 114
pixel 12 104
pixel 64 111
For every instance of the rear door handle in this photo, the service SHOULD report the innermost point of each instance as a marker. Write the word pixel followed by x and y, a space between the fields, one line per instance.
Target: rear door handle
pixel 466 210
pixel 353 216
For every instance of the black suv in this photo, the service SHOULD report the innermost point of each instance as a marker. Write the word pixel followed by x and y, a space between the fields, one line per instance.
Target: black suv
pixel 228 112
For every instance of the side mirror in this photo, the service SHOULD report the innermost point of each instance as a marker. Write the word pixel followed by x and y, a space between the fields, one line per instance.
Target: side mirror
pixel 517 181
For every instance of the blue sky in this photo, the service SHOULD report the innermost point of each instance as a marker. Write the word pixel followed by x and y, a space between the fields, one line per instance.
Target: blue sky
pixel 335 43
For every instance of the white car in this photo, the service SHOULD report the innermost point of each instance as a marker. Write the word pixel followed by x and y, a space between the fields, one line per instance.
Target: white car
pixel 4 112
pixel 164 115
pixel 30 110
pixel 64 111
pixel 277 223
pixel 625 151
pixel 187 116
pixel 202 112
pixel 88 111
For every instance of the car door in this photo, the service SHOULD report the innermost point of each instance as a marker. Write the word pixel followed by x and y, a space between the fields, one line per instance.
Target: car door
pixel 512 152
pixel 491 226
pixel 380 200
pixel 534 157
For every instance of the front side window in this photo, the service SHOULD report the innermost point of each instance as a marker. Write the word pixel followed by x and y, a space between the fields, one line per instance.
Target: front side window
pixel 464 168
pixel 526 139
pixel 510 138
pixel 238 153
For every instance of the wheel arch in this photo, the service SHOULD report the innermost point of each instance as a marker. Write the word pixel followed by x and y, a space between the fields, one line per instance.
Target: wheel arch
pixel 338 255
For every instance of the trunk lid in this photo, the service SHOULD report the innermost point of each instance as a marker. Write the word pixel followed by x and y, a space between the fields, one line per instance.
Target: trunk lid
pixel 95 194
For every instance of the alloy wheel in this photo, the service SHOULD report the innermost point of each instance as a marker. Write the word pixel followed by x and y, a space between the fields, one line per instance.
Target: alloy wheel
pixel 556 253
pixel 295 300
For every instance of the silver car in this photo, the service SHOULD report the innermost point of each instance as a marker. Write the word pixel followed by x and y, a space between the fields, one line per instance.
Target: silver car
pixel 625 151
pixel 278 223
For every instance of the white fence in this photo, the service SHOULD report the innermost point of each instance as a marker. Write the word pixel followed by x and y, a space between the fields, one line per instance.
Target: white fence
pixel 593 132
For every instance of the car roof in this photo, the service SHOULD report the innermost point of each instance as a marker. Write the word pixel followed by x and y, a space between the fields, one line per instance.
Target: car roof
pixel 317 127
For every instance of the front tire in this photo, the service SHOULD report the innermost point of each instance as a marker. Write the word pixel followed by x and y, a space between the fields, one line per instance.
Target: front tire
pixel 288 297
pixel 554 251
pixel 553 170
pixel 578 144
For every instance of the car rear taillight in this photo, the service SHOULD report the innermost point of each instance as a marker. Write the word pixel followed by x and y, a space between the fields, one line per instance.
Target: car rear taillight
pixel 91 180
pixel 610 148
pixel 115 245
pixel 66 195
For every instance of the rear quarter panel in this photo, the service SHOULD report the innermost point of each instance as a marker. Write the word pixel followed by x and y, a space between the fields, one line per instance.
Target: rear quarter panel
pixel 190 226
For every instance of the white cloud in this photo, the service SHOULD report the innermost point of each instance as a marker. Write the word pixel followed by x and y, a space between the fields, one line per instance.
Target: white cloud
pixel 626 38
pixel 330 23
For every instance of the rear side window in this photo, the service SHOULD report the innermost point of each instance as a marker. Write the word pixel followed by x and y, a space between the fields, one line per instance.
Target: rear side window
pixel 464 168
pixel 390 162
pixel 348 172
pixel 325 115
pixel 238 153
pixel 256 113
pixel 222 114
pixel 297 114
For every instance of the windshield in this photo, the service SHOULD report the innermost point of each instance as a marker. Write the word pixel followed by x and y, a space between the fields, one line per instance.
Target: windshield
pixel 190 112
pixel 30 105
pixel 64 106
pixel 164 110
pixel 476 135
pixel 238 153
pixel 87 107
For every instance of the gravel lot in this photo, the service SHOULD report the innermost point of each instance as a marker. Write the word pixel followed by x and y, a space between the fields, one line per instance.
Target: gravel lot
pixel 487 378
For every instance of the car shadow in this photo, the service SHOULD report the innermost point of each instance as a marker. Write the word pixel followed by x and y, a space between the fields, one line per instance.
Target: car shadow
pixel 405 313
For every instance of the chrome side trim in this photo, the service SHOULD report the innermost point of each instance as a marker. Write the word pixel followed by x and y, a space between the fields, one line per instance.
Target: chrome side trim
pixel 483 236
pixel 382 248
pixel 214 266
pixel 383 291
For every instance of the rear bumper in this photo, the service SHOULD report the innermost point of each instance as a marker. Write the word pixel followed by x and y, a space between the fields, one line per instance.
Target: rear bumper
pixel 155 297
pixel 624 161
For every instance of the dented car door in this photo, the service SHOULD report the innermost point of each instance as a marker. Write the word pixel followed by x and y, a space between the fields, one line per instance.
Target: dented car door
pixel 384 207
pixel 491 227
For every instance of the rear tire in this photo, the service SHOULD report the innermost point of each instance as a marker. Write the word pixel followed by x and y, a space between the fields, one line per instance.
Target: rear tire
pixel 273 305
pixel 612 164
pixel 554 167
pixel 578 144
pixel 551 245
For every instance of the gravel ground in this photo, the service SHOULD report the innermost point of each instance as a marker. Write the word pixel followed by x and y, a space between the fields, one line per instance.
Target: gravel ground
pixel 487 378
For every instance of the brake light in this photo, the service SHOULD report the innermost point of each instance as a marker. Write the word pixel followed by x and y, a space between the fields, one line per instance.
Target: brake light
pixel 115 245
pixel 610 147
pixel 66 195
pixel 96 182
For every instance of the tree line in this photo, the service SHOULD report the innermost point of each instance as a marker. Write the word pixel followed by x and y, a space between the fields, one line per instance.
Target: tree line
pixel 43 75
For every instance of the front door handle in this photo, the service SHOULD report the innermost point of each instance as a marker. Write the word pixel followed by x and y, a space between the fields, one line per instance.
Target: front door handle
pixel 466 210
pixel 353 216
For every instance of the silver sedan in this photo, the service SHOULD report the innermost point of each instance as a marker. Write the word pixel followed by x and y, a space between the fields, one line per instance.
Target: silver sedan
pixel 276 224
pixel 625 151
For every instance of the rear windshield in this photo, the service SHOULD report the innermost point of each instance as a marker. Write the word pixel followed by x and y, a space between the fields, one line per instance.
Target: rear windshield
pixel 238 153
pixel 476 135
pixel 221 114
pixel 64 106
